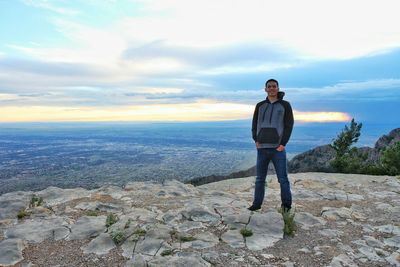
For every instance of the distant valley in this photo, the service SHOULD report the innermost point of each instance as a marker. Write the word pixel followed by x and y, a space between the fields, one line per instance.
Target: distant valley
pixel 35 156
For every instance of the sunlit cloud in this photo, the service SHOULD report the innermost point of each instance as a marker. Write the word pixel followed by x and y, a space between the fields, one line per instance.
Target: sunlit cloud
pixel 6 97
pixel 204 110
pixel 175 54
pixel 321 116
pixel 201 111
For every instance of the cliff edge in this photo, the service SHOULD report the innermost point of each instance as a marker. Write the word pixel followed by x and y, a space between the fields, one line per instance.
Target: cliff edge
pixel 342 220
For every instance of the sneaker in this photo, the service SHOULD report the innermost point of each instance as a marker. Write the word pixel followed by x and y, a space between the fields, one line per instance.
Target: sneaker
pixel 254 208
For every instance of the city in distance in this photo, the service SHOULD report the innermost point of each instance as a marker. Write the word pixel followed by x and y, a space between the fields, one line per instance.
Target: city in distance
pixel 34 156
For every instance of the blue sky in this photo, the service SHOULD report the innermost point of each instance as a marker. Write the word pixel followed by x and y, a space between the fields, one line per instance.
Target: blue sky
pixel 186 60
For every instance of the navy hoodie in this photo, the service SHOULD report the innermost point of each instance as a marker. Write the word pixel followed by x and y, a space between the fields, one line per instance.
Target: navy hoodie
pixel 272 122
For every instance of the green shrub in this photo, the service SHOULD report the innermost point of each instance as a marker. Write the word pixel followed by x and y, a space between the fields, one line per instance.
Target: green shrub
pixel 117 236
pixel 140 232
pixel 391 159
pixel 91 213
pixel 288 218
pixel 128 223
pixel 348 159
pixel 167 252
pixel 111 219
pixel 22 214
pixel 349 136
pixel 36 201
pixel 187 238
pixel 246 232
pixel 173 233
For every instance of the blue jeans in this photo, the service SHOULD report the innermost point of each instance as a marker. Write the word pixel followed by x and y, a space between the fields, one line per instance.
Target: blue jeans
pixel 264 156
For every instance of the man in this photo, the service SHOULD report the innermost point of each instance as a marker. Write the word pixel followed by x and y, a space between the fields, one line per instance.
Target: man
pixel 272 127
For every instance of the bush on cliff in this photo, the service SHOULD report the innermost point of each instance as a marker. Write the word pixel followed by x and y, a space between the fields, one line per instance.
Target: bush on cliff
pixel 350 159
pixel 391 159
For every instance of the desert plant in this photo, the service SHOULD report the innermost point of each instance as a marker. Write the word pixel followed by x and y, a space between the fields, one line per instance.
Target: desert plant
pixel 128 223
pixel 167 252
pixel 246 232
pixel 173 233
pixel 186 238
pixel 118 236
pixel 22 214
pixel 91 213
pixel 111 219
pixel 36 201
pixel 140 232
pixel 288 218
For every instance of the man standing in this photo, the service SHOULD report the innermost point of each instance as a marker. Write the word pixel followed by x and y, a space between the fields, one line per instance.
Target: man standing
pixel 272 127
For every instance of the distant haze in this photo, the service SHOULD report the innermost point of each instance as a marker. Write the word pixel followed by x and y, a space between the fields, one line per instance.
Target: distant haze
pixel 37 155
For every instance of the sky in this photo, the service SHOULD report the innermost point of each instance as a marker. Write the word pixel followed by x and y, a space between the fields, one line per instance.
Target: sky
pixel 186 60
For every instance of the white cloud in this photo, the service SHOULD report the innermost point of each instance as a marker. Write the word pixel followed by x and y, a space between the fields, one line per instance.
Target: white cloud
pixel 50 5
pixel 377 89
pixel 177 50
pixel 315 29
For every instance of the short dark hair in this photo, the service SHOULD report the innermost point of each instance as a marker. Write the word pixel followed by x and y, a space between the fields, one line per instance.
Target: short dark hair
pixel 271 80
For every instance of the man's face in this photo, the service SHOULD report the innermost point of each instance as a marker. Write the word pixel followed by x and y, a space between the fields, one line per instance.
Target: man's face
pixel 272 89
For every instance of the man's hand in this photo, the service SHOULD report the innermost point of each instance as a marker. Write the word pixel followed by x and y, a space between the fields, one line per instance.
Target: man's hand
pixel 280 148
pixel 258 145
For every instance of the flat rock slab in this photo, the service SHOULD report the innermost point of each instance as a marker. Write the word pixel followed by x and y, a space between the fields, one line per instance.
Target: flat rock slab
pixel 189 225
pixel 35 231
pixel 330 232
pixel 341 261
pixel 307 220
pixel 388 229
pixel 267 230
pixel 331 213
pixel 243 217
pixel 200 214
pixel 53 196
pixel 202 241
pixel 148 246
pixel 138 260
pixel 394 259
pixel 96 205
pixel 393 241
pixel 12 203
pixel 233 238
pixel 159 231
pixel 87 227
pixel 176 261
pixel 142 215
pixel 11 251
pixel 174 188
pixel 101 245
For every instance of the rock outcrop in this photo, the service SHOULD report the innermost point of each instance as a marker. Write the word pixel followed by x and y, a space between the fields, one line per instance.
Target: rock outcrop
pixel 314 160
pixel 342 220
pixel 319 158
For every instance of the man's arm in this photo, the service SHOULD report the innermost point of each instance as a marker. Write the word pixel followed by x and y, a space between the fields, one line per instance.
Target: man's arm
pixel 254 124
pixel 288 122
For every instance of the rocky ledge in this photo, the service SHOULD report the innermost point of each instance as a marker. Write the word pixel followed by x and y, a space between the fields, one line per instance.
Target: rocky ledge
pixel 342 220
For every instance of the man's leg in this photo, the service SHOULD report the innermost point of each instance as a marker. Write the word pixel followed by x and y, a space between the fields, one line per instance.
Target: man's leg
pixel 280 164
pixel 262 168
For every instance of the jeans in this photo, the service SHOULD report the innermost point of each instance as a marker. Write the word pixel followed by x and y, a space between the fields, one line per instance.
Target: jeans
pixel 264 156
